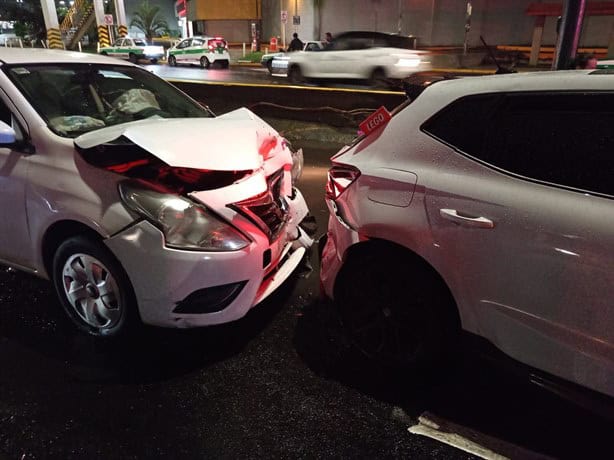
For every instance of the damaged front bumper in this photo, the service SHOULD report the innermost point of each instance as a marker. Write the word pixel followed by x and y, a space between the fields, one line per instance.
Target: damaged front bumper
pixel 179 288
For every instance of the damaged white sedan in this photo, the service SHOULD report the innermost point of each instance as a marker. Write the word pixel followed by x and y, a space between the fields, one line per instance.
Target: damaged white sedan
pixel 137 202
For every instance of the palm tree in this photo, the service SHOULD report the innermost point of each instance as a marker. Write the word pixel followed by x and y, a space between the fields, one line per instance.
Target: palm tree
pixel 146 19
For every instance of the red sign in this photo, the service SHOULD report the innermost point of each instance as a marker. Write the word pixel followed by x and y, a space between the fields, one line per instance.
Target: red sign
pixel 378 118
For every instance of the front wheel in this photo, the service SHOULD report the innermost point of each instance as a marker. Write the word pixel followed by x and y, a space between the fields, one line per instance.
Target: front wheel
pixel 172 61
pixel 204 63
pixel 295 75
pixel 133 58
pixel 93 288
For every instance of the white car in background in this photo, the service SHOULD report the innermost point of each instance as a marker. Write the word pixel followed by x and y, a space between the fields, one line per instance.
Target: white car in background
pixel 485 205
pixel 374 57
pixel 204 51
pixel 277 63
pixel 133 49
pixel 113 196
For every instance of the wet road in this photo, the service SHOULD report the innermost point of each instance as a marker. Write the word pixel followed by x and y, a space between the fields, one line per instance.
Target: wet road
pixel 282 382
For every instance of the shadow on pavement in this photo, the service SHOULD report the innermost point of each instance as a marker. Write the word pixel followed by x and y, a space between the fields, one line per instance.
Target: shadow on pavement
pixel 32 324
pixel 473 392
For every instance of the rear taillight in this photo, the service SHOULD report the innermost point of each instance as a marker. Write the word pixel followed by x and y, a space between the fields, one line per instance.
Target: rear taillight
pixel 340 177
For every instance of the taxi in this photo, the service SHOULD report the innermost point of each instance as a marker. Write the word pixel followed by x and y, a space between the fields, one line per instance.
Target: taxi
pixel 203 51
pixel 133 49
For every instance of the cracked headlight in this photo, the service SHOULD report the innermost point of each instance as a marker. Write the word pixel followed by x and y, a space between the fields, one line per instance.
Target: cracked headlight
pixel 184 223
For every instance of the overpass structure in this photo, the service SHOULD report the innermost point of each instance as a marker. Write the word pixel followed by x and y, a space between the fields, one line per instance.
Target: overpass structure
pixel 79 19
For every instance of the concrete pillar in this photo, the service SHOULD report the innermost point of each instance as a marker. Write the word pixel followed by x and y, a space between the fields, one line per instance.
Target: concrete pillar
pixel 536 44
pixel 120 11
pixel 101 27
pixel 51 24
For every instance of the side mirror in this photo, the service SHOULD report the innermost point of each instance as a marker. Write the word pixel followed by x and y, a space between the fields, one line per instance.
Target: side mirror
pixel 7 134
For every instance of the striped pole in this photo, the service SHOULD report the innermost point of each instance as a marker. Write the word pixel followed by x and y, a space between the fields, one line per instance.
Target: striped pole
pixel 51 24
pixel 101 27
pixel 55 39
pixel 120 12
pixel 103 36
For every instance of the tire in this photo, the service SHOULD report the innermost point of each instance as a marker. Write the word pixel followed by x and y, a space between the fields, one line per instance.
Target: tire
pixel 103 302
pixel 204 63
pixel 269 66
pixel 104 53
pixel 172 61
pixel 295 75
pixel 378 79
pixel 225 64
pixel 133 58
pixel 394 314
pixel 153 61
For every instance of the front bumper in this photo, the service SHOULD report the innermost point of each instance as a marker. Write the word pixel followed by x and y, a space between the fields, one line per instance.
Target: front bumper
pixel 164 279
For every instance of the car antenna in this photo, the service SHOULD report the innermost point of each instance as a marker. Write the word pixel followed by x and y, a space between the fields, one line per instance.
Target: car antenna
pixel 500 69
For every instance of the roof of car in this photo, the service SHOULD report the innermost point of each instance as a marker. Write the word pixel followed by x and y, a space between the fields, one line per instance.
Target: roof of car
pixel 444 92
pixel 40 55
pixel 559 80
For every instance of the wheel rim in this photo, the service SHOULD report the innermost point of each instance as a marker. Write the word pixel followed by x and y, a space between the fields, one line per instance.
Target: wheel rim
pixel 171 61
pixel 204 62
pixel 92 291
pixel 380 324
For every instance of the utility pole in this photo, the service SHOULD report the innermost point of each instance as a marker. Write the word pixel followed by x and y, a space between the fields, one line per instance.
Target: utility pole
pixel 400 24
pixel 569 34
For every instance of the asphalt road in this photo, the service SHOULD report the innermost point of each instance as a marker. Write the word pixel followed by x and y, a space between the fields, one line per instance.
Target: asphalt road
pixel 282 382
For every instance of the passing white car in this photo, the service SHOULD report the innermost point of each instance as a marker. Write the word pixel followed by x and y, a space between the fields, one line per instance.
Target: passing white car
pixel 277 63
pixel 134 50
pixel 485 205
pixel 373 57
pixel 113 195
pixel 204 51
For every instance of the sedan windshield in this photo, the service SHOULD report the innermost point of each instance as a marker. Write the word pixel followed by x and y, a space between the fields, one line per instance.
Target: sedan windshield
pixel 77 98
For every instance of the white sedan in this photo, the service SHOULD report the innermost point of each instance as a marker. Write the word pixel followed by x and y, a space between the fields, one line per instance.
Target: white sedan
pixel 115 198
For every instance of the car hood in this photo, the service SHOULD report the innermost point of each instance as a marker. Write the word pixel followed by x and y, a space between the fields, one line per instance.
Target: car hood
pixel 227 143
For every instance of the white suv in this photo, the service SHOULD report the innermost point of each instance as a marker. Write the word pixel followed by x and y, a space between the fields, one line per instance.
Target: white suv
pixel 374 57
pixel 486 204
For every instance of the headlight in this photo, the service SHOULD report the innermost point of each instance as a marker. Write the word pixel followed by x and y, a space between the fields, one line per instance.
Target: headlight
pixel 297 165
pixel 408 62
pixel 185 224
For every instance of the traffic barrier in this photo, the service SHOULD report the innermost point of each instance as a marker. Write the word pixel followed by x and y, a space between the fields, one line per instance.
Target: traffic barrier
pixel 55 39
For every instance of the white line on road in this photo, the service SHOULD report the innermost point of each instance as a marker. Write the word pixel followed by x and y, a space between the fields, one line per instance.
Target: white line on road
pixel 430 429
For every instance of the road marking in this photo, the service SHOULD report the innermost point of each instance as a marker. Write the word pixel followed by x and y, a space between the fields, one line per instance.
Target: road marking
pixel 430 429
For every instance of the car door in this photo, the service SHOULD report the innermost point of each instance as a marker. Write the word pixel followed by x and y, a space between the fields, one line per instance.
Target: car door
pixel 15 247
pixel 342 59
pixel 182 50
pixel 196 49
pixel 523 217
pixel 117 49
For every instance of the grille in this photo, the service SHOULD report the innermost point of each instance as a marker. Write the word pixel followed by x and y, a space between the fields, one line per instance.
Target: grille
pixel 269 210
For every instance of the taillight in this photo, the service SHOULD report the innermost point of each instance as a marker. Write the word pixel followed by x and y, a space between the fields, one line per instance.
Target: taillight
pixel 340 177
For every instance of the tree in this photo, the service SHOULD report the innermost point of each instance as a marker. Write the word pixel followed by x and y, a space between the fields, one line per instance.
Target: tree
pixel 146 18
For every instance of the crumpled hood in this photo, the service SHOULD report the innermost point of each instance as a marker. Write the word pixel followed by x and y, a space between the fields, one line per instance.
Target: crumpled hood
pixel 226 143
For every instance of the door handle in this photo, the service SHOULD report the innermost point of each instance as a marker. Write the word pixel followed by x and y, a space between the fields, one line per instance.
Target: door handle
pixel 478 222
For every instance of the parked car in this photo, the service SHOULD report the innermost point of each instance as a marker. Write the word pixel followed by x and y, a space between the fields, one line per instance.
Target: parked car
pixel 374 57
pixel 485 205
pixel 204 51
pixel 133 49
pixel 277 63
pixel 113 195
pixel 605 64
